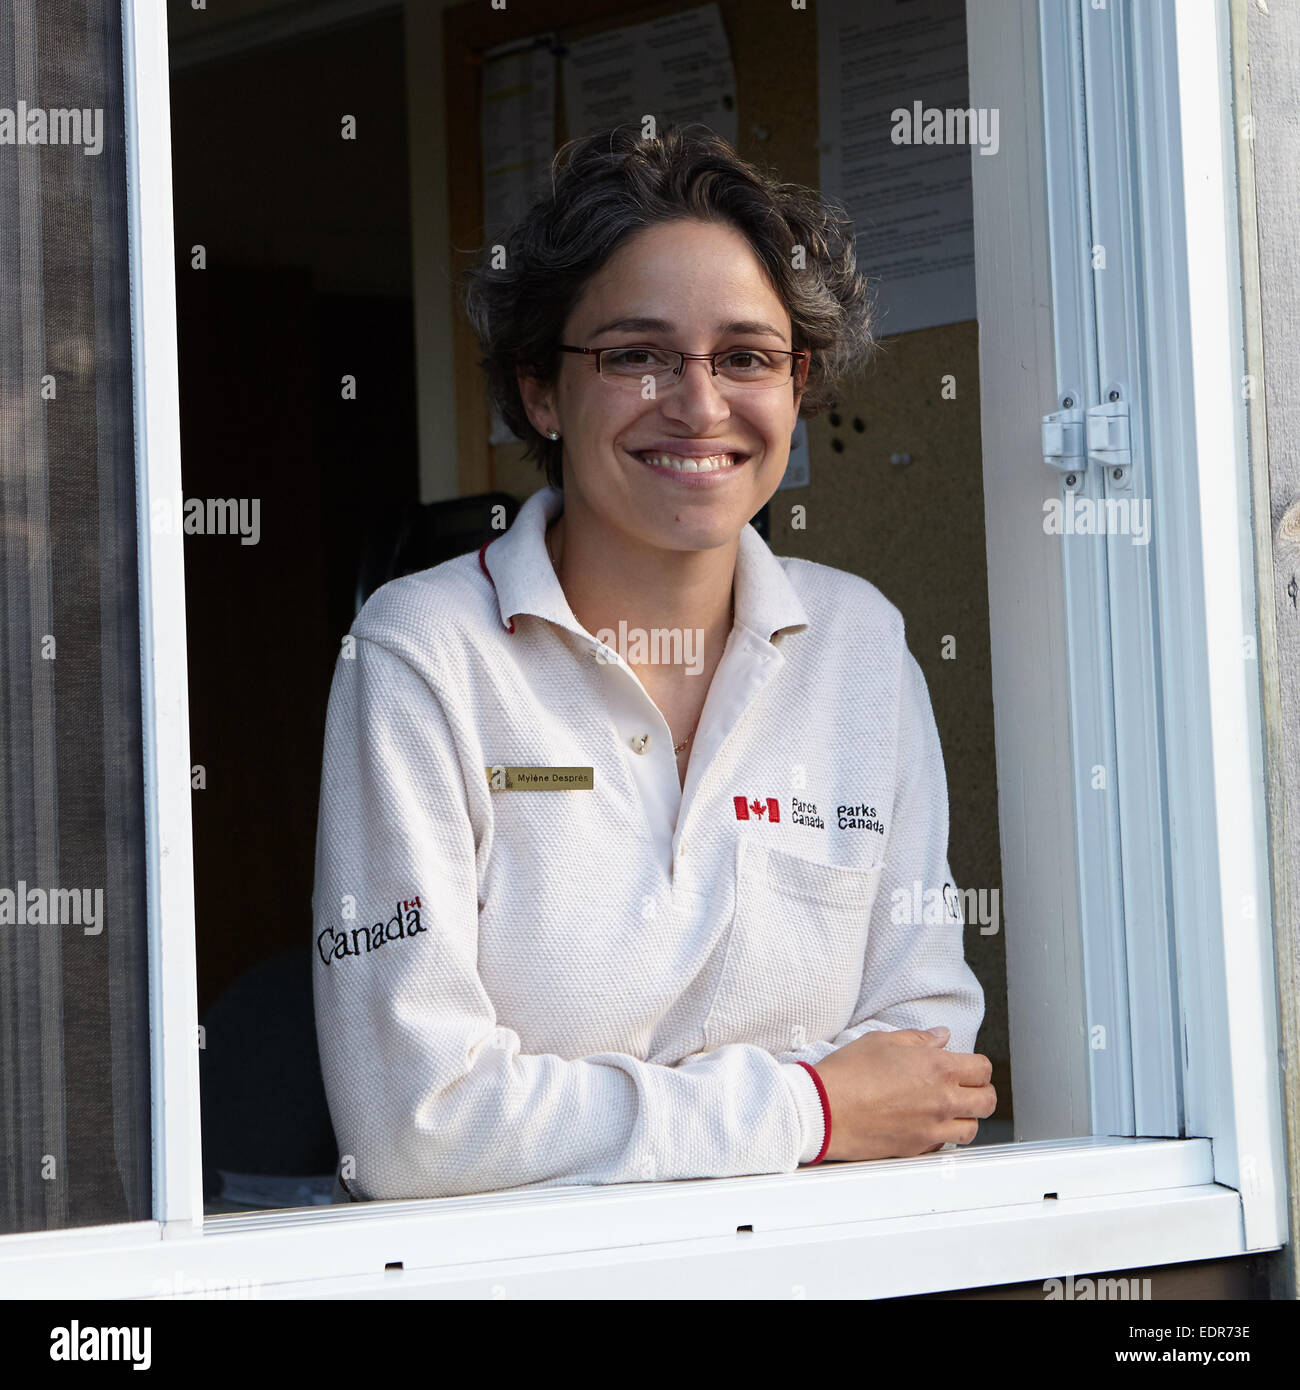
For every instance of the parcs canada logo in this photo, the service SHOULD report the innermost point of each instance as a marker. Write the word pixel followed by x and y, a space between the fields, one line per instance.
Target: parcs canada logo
pixel 765 808
pixel 360 941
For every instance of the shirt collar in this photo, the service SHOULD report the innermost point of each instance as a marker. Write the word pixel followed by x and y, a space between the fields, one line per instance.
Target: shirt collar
pixel 525 581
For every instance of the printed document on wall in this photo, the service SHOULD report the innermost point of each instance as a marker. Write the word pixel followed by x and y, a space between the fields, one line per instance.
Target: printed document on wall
pixel 518 127
pixel 897 140
pixel 676 69
pixel 517 123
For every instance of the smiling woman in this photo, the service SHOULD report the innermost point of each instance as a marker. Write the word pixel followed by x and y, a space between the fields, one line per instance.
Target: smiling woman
pixel 802 289
pixel 674 965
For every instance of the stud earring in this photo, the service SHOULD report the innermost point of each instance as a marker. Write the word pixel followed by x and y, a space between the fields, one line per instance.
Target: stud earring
pixel 552 434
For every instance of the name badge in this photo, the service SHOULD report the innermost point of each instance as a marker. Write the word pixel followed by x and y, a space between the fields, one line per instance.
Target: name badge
pixel 541 779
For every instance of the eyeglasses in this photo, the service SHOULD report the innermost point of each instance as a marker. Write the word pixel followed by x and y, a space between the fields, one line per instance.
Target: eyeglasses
pixel 744 367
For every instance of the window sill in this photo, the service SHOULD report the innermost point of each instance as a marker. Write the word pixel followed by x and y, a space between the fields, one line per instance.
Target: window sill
pixel 960 1219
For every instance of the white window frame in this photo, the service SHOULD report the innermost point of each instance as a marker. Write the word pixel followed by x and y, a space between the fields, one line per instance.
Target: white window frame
pixel 1101 353
pixel 1038 1208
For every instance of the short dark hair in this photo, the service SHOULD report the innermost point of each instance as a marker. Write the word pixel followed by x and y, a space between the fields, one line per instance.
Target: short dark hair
pixel 608 186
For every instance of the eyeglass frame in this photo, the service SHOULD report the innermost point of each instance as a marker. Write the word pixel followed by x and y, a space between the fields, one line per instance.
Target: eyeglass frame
pixel 794 354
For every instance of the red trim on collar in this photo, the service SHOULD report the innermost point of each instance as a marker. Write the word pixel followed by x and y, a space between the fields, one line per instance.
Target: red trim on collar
pixel 826 1111
pixel 510 622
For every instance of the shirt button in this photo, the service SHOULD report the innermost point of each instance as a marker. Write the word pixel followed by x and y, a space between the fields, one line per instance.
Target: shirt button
pixel 798 1037
pixel 640 742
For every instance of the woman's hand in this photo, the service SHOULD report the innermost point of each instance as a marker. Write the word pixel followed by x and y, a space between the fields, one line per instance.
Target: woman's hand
pixel 898 1094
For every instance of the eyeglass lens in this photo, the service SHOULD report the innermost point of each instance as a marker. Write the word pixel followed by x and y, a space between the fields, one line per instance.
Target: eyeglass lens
pixel 740 367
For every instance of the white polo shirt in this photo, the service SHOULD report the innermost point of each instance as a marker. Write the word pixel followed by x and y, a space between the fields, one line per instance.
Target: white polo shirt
pixel 542 987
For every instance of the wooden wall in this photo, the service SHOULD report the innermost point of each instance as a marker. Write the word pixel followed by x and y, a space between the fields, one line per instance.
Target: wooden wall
pixel 1268 39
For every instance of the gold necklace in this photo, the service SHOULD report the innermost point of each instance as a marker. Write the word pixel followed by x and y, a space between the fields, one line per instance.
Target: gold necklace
pixel 677 747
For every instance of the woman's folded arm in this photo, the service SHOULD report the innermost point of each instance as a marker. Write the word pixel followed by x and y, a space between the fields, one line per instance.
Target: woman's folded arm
pixel 914 973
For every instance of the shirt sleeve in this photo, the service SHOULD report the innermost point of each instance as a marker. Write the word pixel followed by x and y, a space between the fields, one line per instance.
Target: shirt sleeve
pixel 429 1092
pixel 915 973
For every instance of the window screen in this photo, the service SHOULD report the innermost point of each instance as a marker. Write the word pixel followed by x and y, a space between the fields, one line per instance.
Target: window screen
pixel 74 1036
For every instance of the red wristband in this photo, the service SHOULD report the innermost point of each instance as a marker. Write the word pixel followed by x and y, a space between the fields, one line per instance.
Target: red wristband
pixel 826 1111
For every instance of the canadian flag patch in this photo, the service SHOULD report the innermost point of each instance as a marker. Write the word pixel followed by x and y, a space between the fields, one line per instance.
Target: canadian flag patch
pixel 766 809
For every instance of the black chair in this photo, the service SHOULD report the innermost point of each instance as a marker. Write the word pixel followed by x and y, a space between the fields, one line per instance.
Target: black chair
pixel 267 1136
pixel 404 539
pixel 761 522
pixel 407 538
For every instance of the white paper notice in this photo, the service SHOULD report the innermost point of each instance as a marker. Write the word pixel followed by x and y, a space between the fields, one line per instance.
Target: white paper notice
pixel 897 155
pixel 518 127
pixel 517 123
pixel 676 69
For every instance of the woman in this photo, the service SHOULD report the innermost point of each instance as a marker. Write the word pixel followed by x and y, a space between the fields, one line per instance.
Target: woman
pixel 624 819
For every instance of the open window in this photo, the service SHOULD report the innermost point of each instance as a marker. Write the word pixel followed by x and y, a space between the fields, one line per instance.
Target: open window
pixel 1053 488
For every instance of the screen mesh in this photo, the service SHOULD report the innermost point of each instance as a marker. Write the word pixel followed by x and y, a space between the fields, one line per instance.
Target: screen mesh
pixel 74 1034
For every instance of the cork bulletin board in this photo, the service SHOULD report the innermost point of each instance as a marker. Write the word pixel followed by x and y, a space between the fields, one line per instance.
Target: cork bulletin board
pixel 914 528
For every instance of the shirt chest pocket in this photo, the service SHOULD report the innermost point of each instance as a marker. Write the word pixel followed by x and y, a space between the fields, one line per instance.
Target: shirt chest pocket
pixel 794 955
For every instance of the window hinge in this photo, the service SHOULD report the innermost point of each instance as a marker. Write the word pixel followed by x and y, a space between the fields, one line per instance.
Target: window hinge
pixel 1073 436
pixel 1108 438
pixel 1063 442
